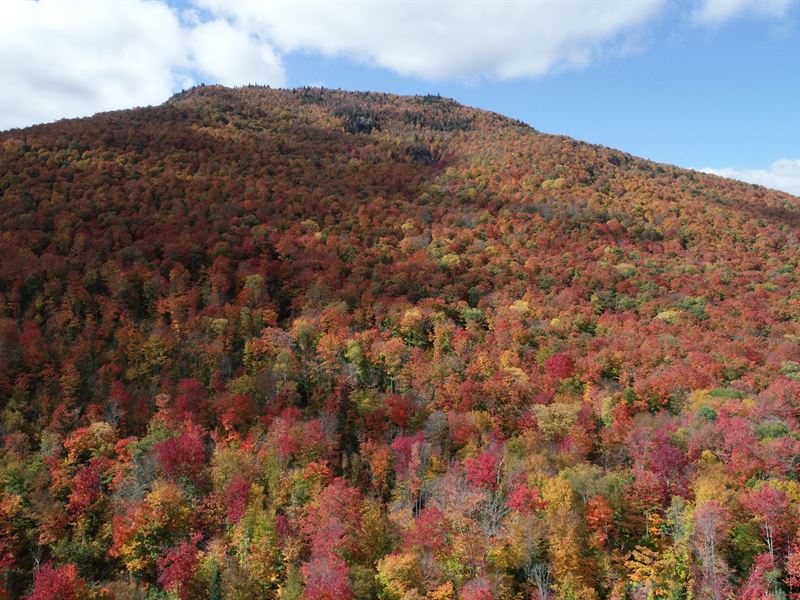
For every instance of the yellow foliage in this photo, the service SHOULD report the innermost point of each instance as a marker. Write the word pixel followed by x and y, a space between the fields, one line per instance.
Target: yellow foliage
pixel 792 489
pixel 571 588
pixel 566 545
pixel 670 316
pixel 443 592
pixel 97 439
pixel 698 398
pixel 519 375
pixel 626 269
pixel 450 260
pixel 713 484
pixel 399 574
pixel 226 463
pixel 558 494
pixel 658 574
pixel 555 420
pixel 164 512
pixel 167 504
pixel 254 537
pixel 644 567
pixel 501 556
pixel 521 307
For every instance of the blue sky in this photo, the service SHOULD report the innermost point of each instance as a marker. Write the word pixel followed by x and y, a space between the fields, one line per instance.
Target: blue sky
pixel 729 98
pixel 710 84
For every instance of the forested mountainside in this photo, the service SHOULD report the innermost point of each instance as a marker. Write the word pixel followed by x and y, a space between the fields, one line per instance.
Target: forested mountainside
pixel 310 344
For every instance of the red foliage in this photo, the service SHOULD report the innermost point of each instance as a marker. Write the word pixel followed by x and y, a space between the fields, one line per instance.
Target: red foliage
pixel 183 455
pixel 666 381
pixel 792 567
pixel 235 410
pixel 332 523
pixel 376 423
pixel 400 409
pixel 85 488
pixel 770 507
pixel 58 583
pixel 482 471
pixel 298 439
pixel 621 425
pixel 599 520
pixel 176 567
pixel 737 433
pixel 656 452
pixel 757 586
pixel 461 428
pixel 379 459
pixel 190 400
pixel 402 447
pixel 326 579
pixel 236 495
pixel 274 259
pixel 524 498
pixel 429 531
pixel 665 459
pixel 478 589
pixel 33 343
pixel 559 366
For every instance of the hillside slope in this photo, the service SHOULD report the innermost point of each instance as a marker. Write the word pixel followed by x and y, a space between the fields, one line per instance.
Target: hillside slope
pixel 320 344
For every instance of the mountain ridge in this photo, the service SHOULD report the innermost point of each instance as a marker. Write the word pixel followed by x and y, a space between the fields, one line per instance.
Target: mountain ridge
pixel 315 344
pixel 210 91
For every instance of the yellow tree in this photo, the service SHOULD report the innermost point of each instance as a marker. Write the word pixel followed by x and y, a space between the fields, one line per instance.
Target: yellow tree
pixel 568 565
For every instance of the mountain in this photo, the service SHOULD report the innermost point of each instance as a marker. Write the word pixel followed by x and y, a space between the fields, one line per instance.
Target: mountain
pixel 329 345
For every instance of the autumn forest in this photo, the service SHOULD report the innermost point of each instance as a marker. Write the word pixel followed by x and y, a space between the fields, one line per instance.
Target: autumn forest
pixel 318 345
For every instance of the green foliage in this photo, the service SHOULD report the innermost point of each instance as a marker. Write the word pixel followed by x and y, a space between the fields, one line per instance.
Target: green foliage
pixel 746 544
pixel 770 430
pixel 726 393
pixel 791 369
pixel 707 413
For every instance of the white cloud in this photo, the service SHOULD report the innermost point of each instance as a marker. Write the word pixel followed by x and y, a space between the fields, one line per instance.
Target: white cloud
pixel 61 59
pixel 232 57
pixel 783 175
pixel 713 13
pixel 447 39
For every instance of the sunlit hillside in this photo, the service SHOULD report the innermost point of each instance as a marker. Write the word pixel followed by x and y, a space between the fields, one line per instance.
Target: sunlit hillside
pixel 313 344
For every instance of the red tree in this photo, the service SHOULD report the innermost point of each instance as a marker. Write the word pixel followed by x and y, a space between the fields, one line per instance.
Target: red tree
pixel 770 507
pixel 177 566
pixel 482 471
pixel 326 579
pixel 184 455
pixel 58 583
pixel 524 498
pixel 599 520
pixel 559 366
pixel 236 495
pixel 757 585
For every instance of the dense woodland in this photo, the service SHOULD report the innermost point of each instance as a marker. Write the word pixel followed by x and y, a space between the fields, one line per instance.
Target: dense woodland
pixel 316 345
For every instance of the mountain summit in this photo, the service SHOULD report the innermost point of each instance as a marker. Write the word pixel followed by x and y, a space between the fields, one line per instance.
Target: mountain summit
pixel 321 344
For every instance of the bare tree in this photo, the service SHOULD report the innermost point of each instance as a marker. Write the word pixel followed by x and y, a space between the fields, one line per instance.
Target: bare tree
pixel 538 574
pixel 710 521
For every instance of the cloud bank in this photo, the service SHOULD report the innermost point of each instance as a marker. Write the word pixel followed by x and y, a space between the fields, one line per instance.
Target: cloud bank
pixel 447 40
pixel 59 59
pixel 783 175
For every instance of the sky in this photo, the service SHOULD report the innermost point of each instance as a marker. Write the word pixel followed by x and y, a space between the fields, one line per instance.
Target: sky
pixel 707 84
